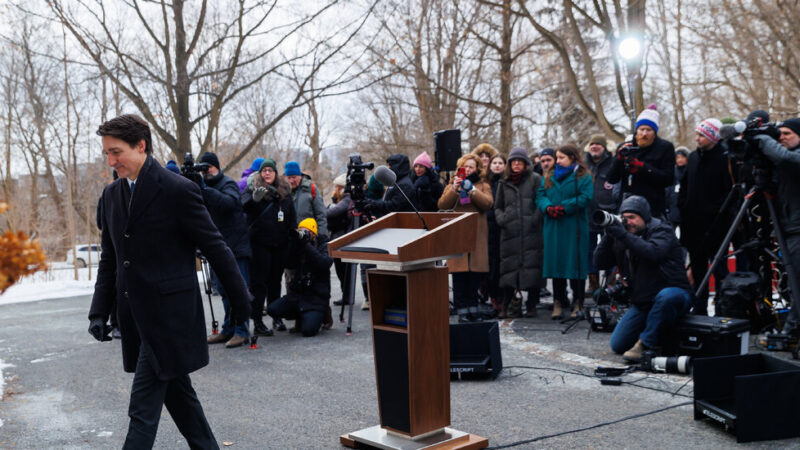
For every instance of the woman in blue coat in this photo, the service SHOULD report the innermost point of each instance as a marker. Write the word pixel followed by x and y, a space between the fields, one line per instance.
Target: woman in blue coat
pixel 565 197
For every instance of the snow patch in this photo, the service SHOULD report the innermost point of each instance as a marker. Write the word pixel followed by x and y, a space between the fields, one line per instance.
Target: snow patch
pixel 104 434
pixel 3 365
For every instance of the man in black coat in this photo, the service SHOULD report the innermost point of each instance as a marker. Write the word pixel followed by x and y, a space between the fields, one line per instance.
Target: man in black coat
pixel 221 195
pixel 606 197
pixel 153 220
pixel 651 259
pixel 703 190
pixel 310 289
pixel 648 170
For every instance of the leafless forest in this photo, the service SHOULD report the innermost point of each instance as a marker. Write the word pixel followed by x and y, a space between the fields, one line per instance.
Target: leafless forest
pixel 315 81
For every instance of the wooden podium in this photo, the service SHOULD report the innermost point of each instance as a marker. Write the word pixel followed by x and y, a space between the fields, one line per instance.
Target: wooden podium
pixel 412 361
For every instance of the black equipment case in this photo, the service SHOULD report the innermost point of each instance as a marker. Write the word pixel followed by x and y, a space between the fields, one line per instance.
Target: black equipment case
pixel 703 336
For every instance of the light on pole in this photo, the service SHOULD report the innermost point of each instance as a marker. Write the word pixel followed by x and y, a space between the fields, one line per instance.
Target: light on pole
pixel 630 50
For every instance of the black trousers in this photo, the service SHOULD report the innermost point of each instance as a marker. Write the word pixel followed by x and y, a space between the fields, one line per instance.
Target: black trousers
pixel 266 271
pixel 465 291
pixel 288 307
pixel 699 258
pixel 149 394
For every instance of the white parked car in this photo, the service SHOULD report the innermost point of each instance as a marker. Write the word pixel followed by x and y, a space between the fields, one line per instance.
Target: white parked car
pixel 82 255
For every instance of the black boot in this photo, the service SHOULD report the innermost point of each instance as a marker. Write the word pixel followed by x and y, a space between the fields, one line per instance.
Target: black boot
pixel 278 325
pixel 259 329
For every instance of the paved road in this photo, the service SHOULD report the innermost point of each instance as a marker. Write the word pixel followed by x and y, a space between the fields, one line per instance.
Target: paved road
pixel 66 390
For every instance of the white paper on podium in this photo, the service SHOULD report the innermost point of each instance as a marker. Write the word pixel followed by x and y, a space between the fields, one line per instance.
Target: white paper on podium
pixel 387 239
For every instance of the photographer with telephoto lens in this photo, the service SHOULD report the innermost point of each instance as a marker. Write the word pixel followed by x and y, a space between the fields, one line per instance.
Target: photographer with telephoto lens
pixel 785 154
pixel 650 257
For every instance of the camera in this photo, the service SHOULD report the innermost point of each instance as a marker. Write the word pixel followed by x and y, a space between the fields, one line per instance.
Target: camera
pixel 611 303
pixel 302 283
pixel 304 235
pixel 189 167
pixel 356 177
pixel 627 153
pixel 612 294
pixel 665 364
pixel 741 145
pixel 603 219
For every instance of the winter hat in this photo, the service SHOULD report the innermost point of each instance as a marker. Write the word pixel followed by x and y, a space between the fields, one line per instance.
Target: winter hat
pixel 256 164
pixel 485 148
pixel 682 151
pixel 758 114
pixel 268 162
pixel 548 152
pixel 341 180
pixel 309 224
pixel 792 124
pixel 210 158
pixel 648 117
pixel 519 153
pixel 710 129
pixel 423 160
pixel 598 139
pixel 638 205
pixel 172 166
pixel 292 168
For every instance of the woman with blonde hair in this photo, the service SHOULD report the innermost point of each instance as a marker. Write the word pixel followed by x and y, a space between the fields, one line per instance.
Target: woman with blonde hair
pixel 469 194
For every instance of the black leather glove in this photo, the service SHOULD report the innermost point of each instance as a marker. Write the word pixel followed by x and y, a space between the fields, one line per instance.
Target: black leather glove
pixel 616 231
pixel 99 329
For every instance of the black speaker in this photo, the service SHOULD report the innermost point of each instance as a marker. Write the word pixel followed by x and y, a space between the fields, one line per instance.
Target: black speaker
pixel 475 350
pixel 448 149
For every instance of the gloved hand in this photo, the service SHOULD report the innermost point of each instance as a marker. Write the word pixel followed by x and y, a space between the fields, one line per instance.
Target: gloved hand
pixel 365 204
pixel 551 211
pixel 241 314
pixel 259 193
pixel 634 165
pixel 467 185
pixel 559 211
pixel 99 329
pixel 616 230
pixel 303 235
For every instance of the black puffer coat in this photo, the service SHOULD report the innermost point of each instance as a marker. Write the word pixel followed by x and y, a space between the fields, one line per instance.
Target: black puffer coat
pixel 520 222
pixel 652 261
pixel 494 232
pixel 221 196
pixel 428 190
pixel 393 201
pixel 311 283
pixel 265 225
pixel 650 181
pixel 704 188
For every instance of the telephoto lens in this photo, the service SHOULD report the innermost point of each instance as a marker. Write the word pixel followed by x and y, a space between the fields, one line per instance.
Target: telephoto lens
pixel 671 364
pixel 603 219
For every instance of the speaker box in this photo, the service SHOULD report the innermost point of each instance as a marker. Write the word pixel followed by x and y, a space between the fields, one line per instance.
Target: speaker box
pixel 475 350
pixel 755 396
pixel 448 149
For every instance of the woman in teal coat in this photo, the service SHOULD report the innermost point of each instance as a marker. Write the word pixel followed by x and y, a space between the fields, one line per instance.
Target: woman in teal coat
pixel 564 197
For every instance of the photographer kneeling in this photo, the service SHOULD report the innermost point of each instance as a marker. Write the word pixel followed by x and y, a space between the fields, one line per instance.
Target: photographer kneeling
pixel 651 259
pixel 310 289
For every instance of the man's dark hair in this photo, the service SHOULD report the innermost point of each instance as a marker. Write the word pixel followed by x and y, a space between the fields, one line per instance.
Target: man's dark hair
pixel 129 128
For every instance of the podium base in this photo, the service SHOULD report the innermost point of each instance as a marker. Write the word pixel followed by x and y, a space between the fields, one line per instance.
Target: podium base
pixel 448 439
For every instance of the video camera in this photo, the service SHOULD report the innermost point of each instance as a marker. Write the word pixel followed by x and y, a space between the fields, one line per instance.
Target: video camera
pixel 741 145
pixel 189 167
pixel 356 177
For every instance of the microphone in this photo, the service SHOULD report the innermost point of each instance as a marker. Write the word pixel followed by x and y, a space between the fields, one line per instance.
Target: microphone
pixel 386 177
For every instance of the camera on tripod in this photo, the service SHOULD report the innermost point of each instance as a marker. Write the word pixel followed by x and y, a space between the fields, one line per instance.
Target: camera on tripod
pixel 356 177
pixel 189 167
pixel 741 145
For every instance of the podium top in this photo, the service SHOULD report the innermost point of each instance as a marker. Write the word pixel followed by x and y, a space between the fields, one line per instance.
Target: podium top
pixel 399 239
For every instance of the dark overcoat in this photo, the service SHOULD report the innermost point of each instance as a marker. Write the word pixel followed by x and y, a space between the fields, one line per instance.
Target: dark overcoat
pixel 148 262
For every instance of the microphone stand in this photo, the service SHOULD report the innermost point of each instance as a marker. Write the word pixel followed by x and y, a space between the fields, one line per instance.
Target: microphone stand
pixel 424 225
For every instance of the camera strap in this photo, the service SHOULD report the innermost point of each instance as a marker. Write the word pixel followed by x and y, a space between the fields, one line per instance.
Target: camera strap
pixel 263 214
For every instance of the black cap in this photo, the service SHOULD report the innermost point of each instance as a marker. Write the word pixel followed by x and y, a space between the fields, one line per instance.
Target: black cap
pixel 637 205
pixel 792 124
pixel 547 151
pixel 760 114
pixel 210 158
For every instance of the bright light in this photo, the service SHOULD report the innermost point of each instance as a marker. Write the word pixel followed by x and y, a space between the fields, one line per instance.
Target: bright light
pixel 629 48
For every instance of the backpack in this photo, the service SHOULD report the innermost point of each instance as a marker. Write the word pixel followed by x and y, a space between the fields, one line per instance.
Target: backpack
pixel 738 295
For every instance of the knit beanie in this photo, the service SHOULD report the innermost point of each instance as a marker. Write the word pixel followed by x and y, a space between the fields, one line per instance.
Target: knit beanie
pixel 268 162
pixel 792 124
pixel 598 139
pixel 171 166
pixel 341 180
pixel 519 153
pixel 292 168
pixel 648 117
pixel 256 164
pixel 210 158
pixel 683 151
pixel 710 129
pixel 548 152
pixel 423 160
pixel 637 205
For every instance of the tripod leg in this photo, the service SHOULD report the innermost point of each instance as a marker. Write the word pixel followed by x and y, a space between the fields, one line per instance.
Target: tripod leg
pixel 206 270
pixel 351 291
pixel 723 249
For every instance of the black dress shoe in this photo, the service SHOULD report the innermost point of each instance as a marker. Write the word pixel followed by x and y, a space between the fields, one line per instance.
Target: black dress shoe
pixel 278 325
pixel 259 329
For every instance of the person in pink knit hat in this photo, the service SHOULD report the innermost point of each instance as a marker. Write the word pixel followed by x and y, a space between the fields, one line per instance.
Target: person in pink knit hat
pixel 426 183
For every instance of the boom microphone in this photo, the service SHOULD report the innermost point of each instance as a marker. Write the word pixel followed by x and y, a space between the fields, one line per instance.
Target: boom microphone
pixel 386 177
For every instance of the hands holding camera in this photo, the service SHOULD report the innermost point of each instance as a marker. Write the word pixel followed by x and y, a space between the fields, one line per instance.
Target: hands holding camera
pixel 616 230
pixel 304 235
pixel 632 163
pixel 195 177
pixel 556 212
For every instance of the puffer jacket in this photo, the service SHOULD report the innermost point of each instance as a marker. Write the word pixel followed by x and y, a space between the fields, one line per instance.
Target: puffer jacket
pixel 480 202
pixel 652 261
pixel 308 203
pixel 520 223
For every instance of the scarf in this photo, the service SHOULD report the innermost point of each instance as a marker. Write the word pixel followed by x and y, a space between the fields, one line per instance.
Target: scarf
pixel 516 177
pixel 563 172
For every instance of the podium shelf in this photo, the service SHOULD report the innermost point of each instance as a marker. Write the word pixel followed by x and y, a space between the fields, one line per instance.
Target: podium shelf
pixel 387 327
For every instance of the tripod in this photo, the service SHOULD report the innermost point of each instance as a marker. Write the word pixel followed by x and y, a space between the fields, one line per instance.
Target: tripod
pixel 794 287
pixel 206 270
pixel 351 283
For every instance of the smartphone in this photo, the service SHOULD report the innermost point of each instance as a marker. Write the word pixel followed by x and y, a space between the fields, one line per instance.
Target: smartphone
pixel 462 173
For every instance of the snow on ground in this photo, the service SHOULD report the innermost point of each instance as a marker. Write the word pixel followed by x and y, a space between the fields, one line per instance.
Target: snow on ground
pixel 3 365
